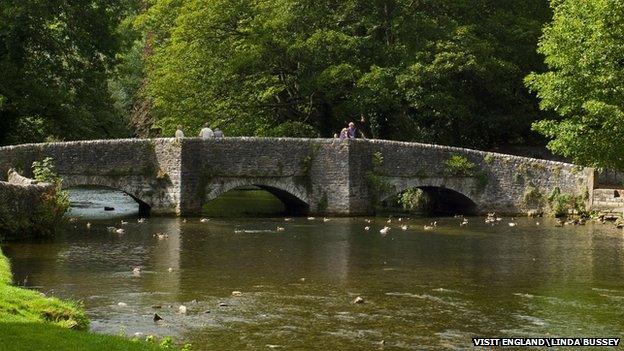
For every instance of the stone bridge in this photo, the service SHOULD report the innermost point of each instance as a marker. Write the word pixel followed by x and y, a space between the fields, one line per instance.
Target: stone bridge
pixel 316 176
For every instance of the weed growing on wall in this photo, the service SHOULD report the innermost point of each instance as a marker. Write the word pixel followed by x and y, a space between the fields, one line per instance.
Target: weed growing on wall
pixel 458 165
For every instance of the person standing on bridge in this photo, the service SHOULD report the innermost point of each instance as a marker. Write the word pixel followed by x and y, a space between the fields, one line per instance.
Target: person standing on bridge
pixel 179 133
pixel 206 132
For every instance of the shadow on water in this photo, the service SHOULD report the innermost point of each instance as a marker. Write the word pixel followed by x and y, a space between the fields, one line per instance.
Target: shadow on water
pixel 427 201
pixel 248 201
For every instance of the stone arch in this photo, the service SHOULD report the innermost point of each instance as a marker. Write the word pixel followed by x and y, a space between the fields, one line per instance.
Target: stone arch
pixel 293 196
pixel 135 193
pixel 450 195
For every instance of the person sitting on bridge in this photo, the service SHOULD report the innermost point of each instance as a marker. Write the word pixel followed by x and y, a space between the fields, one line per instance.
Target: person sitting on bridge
pixel 352 131
pixel 206 132
pixel 218 133
pixel 344 134
pixel 179 133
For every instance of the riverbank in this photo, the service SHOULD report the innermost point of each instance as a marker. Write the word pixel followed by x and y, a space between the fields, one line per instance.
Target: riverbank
pixel 31 321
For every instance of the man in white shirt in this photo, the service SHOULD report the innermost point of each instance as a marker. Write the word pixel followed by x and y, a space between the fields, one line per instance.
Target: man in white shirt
pixel 206 132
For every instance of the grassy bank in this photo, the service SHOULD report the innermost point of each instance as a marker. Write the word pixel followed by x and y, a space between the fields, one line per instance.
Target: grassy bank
pixel 31 321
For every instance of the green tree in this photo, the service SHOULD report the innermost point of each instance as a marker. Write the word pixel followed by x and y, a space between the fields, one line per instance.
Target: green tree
pixel 435 70
pixel 54 62
pixel 584 84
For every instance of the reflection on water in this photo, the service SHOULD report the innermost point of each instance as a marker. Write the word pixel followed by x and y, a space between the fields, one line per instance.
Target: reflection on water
pixel 423 289
pixel 91 203
pixel 244 202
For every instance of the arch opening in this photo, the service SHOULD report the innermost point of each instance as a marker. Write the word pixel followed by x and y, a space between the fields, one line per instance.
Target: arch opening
pixel 430 200
pixel 97 201
pixel 255 200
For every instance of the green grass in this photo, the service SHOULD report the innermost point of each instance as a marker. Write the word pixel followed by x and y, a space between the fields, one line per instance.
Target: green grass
pixel 37 336
pixel 31 321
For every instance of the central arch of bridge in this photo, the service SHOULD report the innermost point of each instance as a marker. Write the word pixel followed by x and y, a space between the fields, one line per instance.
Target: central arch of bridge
pixel 292 196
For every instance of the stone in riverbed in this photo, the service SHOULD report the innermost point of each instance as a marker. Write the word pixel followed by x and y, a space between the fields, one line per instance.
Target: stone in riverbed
pixel 157 318
pixel 358 300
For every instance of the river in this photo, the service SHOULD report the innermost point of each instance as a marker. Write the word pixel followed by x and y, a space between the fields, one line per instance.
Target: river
pixel 422 289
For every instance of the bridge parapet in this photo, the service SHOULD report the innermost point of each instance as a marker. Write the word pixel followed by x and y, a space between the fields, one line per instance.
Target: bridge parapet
pixel 177 176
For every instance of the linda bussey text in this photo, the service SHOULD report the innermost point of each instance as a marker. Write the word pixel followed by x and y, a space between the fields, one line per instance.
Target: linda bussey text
pixel 546 342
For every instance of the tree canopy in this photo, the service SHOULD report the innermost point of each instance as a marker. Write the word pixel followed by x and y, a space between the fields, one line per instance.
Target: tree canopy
pixel 442 71
pixel 54 61
pixel 584 84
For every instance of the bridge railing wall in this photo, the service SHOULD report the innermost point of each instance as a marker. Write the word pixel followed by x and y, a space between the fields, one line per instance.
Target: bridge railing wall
pixel 332 175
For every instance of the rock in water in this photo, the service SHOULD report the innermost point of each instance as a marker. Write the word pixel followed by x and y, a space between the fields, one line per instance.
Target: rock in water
pixel 108 208
pixel 237 293
pixel 358 300
pixel 157 317
pixel 182 309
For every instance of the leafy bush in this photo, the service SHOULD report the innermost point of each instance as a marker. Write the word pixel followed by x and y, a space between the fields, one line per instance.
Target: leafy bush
pixel 53 205
pixel 458 165
pixel 562 204
pixel 44 171
pixel 413 199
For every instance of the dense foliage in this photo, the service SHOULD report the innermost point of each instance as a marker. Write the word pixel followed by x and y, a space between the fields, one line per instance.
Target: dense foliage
pixel 442 71
pixel 584 48
pixel 55 59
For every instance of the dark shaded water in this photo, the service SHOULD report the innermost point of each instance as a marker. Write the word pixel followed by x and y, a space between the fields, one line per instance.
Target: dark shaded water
pixel 431 289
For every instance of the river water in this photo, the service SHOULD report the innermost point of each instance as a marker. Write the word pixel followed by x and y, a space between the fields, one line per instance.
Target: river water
pixel 423 289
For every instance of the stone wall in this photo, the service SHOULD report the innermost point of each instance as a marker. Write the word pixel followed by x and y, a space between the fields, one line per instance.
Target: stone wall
pixel 147 170
pixel 20 199
pixel 177 176
pixel 499 182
